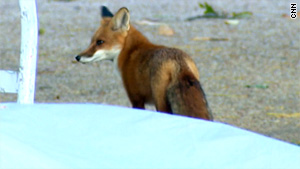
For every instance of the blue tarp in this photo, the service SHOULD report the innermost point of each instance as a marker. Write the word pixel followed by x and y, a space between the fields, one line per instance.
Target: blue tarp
pixel 98 136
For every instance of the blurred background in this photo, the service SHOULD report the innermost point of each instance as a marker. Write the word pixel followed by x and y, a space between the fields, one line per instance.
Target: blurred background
pixel 247 54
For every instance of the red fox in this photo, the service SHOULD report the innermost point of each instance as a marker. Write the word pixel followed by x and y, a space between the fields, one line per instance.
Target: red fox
pixel 167 77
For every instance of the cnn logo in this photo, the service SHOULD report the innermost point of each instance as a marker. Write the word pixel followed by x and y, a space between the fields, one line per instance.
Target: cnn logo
pixel 293 12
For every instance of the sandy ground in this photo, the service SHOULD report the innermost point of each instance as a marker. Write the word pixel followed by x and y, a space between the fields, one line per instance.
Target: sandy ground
pixel 261 52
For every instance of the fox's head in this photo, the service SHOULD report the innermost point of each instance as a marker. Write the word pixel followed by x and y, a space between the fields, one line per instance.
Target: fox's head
pixel 108 40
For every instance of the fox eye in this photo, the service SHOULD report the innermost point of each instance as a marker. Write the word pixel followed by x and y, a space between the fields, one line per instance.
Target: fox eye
pixel 99 42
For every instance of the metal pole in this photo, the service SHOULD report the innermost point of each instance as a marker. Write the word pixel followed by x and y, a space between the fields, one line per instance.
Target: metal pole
pixel 28 55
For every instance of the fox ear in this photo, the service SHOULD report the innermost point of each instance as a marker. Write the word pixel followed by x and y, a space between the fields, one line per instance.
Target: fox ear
pixel 105 12
pixel 121 20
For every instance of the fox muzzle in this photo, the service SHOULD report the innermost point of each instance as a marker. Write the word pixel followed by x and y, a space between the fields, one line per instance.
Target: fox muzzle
pixel 78 58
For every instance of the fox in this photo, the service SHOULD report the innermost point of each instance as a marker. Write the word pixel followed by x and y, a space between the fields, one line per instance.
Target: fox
pixel 151 74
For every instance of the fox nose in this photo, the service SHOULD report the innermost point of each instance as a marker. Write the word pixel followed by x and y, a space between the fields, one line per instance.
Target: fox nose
pixel 78 58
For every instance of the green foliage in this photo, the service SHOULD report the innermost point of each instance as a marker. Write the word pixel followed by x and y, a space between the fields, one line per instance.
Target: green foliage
pixel 241 15
pixel 42 31
pixel 259 86
pixel 210 12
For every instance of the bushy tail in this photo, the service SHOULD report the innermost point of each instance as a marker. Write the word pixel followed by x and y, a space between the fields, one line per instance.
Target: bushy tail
pixel 186 97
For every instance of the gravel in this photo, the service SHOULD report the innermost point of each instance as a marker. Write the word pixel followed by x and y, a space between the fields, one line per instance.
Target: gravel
pixel 260 51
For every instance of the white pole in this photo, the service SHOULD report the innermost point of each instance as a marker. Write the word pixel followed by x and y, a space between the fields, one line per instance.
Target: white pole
pixel 29 46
